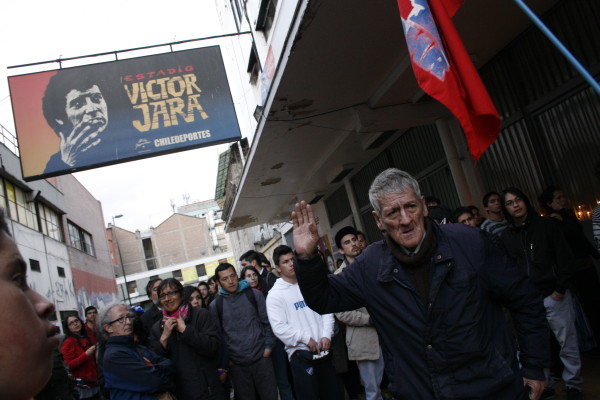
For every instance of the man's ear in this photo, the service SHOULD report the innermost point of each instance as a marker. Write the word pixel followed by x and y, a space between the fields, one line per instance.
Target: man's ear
pixel 108 329
pixel 378 221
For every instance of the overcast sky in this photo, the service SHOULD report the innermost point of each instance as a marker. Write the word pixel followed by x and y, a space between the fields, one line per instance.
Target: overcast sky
pixel 142 191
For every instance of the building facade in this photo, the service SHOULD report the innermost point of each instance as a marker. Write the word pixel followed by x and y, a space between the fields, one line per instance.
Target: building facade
pixel 58 228
pixel 184 247
pixel 339 103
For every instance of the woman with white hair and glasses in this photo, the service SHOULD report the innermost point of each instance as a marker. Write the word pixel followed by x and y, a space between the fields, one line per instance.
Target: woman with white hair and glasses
pixel 131 371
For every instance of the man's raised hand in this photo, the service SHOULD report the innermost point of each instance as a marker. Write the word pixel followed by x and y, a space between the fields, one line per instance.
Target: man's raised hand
pixel 306 235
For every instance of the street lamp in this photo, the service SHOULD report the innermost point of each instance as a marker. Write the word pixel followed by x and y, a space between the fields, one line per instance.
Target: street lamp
pixel 116 216
pixel 120 260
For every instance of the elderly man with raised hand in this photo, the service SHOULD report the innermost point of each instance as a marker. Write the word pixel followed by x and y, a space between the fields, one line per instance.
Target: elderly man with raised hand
pixel 434 294
pixel 131 371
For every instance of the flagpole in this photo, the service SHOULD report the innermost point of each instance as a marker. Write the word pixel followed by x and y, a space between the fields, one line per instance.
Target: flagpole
pixel 586 75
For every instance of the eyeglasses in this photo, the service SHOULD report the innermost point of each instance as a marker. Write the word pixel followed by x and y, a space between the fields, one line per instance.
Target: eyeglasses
pixel 74 322
pixel 121 320
pixel 168 294
pixel 510 203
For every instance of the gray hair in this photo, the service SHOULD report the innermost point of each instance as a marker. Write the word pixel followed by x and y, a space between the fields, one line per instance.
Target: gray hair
pixel 391 181
pixel 104 318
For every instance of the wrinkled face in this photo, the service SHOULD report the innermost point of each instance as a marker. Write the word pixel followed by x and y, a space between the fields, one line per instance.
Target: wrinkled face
pixel 170 298
pixel 402 217
pixel 27 338
pixel 203 291
pixel 74 325
pixel 195 299
pixel 559 201
pixel 362 241
pixel 228 280
pixel 515 206
pixel 466 219
pixel 494 205
pixel 121 321
pixel 251 277
pixel 349 246
pixel 286 267
pixel 91 316
pixel 87 107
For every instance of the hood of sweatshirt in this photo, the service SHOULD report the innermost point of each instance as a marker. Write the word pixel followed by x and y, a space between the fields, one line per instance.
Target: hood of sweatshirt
pixel 242 285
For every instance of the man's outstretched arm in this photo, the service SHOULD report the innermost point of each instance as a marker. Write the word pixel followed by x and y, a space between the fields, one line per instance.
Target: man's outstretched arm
pixel 323 292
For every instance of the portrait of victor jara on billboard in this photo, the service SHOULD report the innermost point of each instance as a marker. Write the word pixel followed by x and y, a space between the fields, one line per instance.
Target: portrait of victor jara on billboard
pixel 78 118
pixel 77 112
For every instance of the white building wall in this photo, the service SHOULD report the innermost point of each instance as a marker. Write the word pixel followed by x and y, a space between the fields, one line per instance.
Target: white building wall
pixel 50 254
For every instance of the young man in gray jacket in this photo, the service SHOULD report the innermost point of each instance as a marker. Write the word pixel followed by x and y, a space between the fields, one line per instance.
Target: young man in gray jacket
pixel 241 315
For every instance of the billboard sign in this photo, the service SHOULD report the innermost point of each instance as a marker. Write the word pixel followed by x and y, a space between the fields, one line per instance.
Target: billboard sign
pixel 78 118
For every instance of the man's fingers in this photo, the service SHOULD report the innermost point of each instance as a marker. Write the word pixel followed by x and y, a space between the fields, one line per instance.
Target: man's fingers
pixel 304 209
pixel 94 143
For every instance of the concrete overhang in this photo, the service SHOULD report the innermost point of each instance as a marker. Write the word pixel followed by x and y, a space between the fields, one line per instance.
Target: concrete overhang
pixel 344 81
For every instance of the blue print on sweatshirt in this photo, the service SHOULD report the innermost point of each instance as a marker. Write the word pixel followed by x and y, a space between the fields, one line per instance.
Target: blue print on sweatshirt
pixel 299 304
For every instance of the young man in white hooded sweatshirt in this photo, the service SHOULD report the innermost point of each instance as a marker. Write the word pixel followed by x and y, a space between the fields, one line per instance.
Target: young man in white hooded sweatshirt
pixel 305 334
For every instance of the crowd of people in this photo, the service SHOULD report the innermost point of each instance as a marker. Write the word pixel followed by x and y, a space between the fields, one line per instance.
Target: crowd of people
pixel 449 305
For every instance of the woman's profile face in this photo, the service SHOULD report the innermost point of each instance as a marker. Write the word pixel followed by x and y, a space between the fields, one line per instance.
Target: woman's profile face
pixel 251 277
pixel 170 298
pixel 74 325
pixel 27 338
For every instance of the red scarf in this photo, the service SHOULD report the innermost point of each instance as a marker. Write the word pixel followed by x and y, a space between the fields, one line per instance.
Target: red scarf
pixel 182 311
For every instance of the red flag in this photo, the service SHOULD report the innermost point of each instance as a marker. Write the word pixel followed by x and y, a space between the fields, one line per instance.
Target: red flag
pixel 444 70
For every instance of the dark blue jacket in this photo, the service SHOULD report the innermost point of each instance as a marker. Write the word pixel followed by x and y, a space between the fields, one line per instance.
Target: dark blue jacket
pixel 457 345
pixel 129 377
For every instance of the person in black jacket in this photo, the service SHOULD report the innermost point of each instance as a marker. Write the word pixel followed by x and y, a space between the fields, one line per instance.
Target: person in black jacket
pixel 189 337
pixel 433 294
pixel 153 314
pixel 585 276
pixel 539 247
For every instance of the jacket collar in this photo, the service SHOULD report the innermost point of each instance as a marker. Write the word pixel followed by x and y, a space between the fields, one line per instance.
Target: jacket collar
pixel 390 268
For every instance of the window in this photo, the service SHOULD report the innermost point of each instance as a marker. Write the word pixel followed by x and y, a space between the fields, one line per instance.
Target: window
pixel 253 66
pixel 200 270
pixel 61 271
pixel 19 208
pixel 178 275
pixel 3 197
pixel 80 239
pixel 266 16
pixel 34 265
pixel 50 222
pixel 149 253
pixel 132 287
